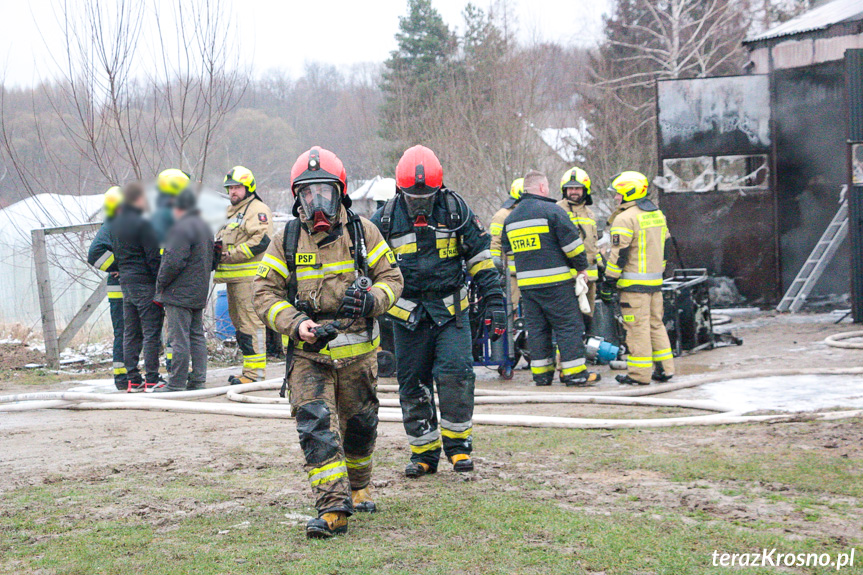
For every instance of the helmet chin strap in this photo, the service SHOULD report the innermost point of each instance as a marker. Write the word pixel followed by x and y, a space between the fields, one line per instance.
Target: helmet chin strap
pixel 320 222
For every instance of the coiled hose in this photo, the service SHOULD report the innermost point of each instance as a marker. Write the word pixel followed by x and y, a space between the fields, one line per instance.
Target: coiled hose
pixel 243 405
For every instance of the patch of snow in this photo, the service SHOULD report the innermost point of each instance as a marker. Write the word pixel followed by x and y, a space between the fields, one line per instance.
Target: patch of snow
pixel 788 393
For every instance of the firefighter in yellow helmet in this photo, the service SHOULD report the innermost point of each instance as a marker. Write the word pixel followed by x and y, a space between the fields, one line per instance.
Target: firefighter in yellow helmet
pixel 495 229
pixel 169 184
pixel 639 237
pixel 575 189
pixel 244 238
pixel 101 257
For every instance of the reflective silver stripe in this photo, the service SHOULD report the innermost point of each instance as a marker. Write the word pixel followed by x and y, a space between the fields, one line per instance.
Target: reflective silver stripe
pixel 456 426
pixel 462 293
pixel 406 304
pixel 403 240
pixel 425 438
pixel 101 261
pixel 327 269
pixel 115 289
pixel 573 363
pixel 344 339
pixel 483 255
pixel 275 263
pixel 540 362
pixel 360 463
pixel 117 364
pixel 635 276
pixel 442 235
pixel 571 246
pixel 526 224
pixel 542 273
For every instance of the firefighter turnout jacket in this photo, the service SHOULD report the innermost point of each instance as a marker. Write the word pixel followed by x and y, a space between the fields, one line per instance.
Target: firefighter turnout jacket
pixel 433 262
pixel 324 269
pixel 639 235
pixel 245 237
pixel 582 216
pixel 545 243
pixel 101 257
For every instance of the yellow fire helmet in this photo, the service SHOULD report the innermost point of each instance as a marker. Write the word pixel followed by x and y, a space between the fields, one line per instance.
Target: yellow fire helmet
pixel 172 181
pixel 516 189
pixel 111 200
pixel 240 176
pixel 631 185
pixel 575 177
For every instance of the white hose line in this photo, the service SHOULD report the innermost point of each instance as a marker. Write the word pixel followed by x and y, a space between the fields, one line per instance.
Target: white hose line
pixel 834 340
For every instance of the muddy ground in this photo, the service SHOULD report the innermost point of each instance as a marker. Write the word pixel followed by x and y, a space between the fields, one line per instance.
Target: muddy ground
pixel 603 478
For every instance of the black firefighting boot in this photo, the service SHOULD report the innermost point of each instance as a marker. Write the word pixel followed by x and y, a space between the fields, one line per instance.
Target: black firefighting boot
pixel 543 379
pixel 362 499
pixel 461 462
pixel 582 379
pixel 327 525
pixel 418 469
pixel 234 380
pixel 660 375
pixel 626 380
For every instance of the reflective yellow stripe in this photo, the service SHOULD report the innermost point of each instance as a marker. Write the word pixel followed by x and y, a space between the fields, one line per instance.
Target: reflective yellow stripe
pixel 456 434
pixel 227 271
pixel 495 229
pixel 442 243
pixel 436 444
pixel 612 268
pixel 378 252
pixel 275 309
pixel 406 249
pixel 463 306
pixel 621 231
pixel 327 473
pixel 307 273
pixel 245 249
pixel 639 361
pixel 662 354
pixel 541 368
pixel 544 280
pixel 479 266
pixel 275 263
pixel 109 261
pixel 258 361
pixel 387 290
pixel 361 463
pixel 572 370
pixel 400 313
pixel 526 231
pixel 494 252
pixel 592 274
pixel 627 283
pixel 115 295
pixel 352 350
pixel 578 249
pixel 120 370
pixel 581 220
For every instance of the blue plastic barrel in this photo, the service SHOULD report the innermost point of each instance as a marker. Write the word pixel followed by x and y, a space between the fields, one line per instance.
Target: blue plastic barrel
pixel 224 327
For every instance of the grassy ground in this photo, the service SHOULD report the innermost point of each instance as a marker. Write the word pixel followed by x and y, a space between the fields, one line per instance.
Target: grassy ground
pixel 585 502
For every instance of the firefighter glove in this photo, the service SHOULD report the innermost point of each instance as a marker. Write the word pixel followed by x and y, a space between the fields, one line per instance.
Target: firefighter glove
pixel 495 318
pixel 357 302
pixel 606 290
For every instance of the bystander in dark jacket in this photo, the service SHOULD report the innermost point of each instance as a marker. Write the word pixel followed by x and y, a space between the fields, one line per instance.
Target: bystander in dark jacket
pixel 182 287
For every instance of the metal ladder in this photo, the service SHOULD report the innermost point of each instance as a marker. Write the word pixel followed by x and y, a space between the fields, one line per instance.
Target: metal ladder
pixel 817 262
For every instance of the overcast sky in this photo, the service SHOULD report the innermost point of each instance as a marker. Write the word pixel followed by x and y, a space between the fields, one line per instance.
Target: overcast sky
pixel 288 33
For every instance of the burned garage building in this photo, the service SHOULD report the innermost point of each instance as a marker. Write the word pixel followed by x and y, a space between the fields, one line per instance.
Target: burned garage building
pixel 753 167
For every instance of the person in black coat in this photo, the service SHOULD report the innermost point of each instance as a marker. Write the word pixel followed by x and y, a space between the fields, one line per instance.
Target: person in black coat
pixel 182 287
pixel 136 252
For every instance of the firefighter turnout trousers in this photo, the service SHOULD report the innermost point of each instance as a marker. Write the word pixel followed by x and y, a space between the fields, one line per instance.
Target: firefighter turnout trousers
pixel 553 310
pixel 115 303
pixel 251 333
pixel 337 419
pixel 646 338
pixel 440 354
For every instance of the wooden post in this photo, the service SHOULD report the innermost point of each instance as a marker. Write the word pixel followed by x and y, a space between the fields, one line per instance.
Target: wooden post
pixel 82 315
pixel 46 299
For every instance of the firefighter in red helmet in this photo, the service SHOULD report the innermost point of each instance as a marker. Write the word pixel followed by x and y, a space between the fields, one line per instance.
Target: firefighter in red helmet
pixel 322 283
pixel 436 237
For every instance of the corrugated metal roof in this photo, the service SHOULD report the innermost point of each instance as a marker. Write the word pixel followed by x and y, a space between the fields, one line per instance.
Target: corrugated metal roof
pixel 818 18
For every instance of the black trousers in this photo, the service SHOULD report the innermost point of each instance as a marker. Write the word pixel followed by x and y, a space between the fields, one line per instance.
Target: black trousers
pixel 186 333
pixel 142 331
pixel 436 354
pixel 552 313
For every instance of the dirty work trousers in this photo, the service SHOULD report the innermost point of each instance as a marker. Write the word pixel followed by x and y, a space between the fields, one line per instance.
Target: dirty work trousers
pixel 646 338
pixel 142 327
pixel 552 313
pixel 438 354
pixel 186 333
pixel 336 409
pixel 115 304
pixel 251 332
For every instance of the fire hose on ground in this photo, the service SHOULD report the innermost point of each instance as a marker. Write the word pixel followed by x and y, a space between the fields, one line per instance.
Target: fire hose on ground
pixel 835 340
pixel 243 405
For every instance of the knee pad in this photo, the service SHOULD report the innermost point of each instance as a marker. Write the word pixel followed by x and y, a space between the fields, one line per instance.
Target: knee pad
pixel 246 343
pixel 360 432
pixel 319 443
